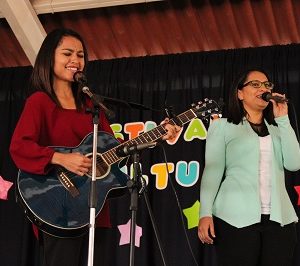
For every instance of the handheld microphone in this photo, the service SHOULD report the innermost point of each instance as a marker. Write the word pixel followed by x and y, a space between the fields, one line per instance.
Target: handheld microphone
pixel 96 99
pixel 125 150
pixel 267 96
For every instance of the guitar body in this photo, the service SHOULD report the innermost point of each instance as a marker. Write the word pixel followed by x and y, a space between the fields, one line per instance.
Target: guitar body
pixel 49 205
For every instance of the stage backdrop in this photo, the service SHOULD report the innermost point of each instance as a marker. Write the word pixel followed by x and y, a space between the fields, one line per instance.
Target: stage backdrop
pixel 159 82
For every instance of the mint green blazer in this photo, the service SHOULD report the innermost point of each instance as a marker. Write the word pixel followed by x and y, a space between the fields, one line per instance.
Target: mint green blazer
pixel 234 150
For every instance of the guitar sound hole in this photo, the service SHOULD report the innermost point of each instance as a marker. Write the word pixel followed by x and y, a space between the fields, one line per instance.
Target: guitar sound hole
pixel 102 168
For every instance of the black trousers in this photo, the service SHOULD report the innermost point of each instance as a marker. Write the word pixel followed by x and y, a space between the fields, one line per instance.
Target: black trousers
pixel 263 244
pixel 73 251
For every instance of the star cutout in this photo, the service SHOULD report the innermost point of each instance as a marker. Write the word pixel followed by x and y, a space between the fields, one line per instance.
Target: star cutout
pixel 192 214
pixel 297 188
pixel 4 187
pixel 125 234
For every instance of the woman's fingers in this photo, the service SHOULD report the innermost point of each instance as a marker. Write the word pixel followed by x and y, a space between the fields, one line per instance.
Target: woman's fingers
pixel 172 132
pixel 206 231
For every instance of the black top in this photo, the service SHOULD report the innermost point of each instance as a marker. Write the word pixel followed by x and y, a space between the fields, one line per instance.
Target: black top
pixel 260 129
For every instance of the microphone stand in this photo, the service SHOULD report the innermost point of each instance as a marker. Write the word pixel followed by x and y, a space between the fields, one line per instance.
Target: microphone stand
pixel 133 188
pixel 133 185
pixel 97 105
pixel 93 188
pixel 126 104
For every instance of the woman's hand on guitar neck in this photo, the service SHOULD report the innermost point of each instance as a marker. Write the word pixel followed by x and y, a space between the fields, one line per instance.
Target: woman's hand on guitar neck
pixel 74 162
pixel 172 130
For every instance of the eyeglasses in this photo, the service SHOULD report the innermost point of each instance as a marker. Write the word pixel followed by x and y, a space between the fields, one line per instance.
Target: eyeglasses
pixel 257 84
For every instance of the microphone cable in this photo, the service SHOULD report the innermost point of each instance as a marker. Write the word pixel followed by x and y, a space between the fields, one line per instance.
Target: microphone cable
pixel 179 205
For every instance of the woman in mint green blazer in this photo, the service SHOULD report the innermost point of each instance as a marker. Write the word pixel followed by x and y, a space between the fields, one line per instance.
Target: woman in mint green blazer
pixel 245 208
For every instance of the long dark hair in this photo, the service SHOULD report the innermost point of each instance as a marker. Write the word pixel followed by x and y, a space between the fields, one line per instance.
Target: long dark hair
pixel 236 111
pixel 41 78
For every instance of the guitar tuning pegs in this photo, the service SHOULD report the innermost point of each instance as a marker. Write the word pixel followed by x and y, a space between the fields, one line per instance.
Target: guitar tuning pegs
pixel 207 100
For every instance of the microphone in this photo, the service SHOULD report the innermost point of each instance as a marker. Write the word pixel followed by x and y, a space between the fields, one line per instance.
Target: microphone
pixel 80 78
pixel 125 150
pixel 267 96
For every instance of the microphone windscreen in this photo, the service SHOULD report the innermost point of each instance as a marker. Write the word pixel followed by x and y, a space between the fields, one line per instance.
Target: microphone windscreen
pixel 80 77
pixel 266 96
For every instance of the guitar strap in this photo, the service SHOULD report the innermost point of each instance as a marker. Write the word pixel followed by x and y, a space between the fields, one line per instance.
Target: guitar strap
pixel 68 184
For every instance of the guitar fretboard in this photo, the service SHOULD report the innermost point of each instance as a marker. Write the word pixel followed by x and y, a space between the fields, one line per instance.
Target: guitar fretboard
pixel 152 135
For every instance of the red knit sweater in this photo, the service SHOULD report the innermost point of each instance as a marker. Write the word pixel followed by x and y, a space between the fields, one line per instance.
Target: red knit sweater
pixel 43 124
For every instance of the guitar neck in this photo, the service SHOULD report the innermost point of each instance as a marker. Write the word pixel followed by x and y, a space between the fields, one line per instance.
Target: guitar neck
pixel 152 135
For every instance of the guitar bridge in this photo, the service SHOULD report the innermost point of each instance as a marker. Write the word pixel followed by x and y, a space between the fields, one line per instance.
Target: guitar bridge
pixel 68 184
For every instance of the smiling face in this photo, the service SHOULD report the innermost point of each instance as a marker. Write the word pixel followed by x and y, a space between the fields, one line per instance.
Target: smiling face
pixel 250 95
pixel 68 58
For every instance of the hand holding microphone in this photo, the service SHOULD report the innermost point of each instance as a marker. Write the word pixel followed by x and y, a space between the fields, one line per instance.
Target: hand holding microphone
pixel 267 96
pixel 280 108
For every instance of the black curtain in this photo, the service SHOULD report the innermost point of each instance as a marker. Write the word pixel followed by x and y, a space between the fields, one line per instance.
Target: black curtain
pixel 173 81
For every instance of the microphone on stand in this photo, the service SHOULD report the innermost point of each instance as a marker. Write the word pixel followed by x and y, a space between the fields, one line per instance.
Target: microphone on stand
pixel 267 96
pixel 125 150
pixel 80 78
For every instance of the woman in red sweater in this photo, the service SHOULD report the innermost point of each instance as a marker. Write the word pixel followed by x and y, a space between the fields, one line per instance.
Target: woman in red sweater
pixel 55 115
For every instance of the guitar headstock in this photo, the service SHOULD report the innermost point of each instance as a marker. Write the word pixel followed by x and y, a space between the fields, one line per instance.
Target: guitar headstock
pixel 206 108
